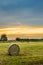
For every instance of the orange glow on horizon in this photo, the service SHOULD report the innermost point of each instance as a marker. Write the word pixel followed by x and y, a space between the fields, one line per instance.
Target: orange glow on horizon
pixel 22 31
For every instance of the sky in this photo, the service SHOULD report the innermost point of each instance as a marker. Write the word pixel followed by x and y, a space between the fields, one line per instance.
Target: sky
pixel 21 12
pixel 22 32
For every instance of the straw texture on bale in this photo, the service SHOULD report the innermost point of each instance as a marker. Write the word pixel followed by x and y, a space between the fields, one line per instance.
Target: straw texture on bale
pixel 14 49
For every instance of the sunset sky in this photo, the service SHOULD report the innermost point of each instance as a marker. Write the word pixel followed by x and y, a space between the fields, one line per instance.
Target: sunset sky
pixel 22 31
pixel 23 12
pixel 26 17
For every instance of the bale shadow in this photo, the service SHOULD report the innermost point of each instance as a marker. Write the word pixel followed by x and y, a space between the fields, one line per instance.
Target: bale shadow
pixel 16 55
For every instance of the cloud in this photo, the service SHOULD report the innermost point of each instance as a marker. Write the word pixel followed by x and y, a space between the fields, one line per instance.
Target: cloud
pixel 21 17
pixel 21 12
pixel 13 5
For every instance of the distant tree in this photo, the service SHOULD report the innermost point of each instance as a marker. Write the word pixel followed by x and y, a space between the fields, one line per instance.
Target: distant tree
pixel 17 39
pixel 3 37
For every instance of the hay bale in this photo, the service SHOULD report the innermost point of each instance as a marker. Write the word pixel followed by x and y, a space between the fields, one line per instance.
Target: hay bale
pixel 14 49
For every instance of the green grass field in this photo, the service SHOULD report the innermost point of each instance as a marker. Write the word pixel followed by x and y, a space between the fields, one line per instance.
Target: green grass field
pixel 31 53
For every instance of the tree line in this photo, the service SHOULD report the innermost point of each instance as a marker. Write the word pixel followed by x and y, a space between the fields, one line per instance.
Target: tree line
pixel 26 39
pixel 4 38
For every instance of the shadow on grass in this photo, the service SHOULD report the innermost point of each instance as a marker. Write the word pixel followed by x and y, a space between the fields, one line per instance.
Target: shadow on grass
pixel 16 55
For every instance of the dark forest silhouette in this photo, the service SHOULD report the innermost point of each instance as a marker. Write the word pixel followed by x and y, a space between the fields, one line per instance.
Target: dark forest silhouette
pixel 5 38
pixel 26 39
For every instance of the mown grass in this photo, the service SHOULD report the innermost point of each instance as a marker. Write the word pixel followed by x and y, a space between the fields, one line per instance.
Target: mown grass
pixel 31 53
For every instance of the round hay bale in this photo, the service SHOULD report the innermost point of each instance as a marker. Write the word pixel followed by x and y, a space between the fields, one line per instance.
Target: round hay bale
pixel 14 50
